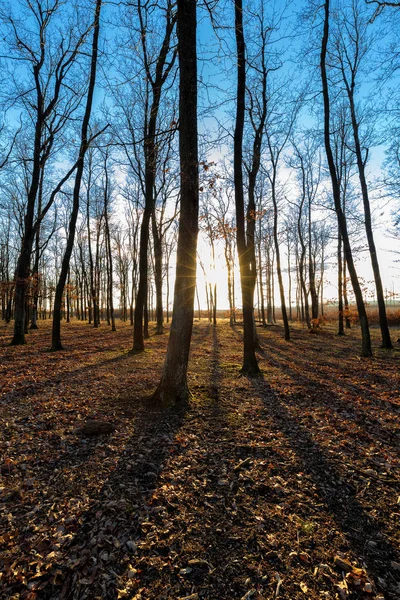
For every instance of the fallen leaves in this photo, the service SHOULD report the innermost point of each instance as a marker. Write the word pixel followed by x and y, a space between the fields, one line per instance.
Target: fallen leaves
pixel 271 488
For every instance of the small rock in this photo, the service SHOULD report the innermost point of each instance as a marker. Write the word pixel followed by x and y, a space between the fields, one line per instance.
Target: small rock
pixel 395 565
pixel 131 546
pixel 185 571
pixel 93 427
pixel 132 573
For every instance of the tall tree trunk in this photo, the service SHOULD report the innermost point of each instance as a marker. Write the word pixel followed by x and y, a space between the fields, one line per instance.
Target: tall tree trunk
pixel 110 285
pixel 303 249
pixel 68 297
pixel 311 271
pixel 173 386
pixel 150 154
pixel 56 330
pixel 366 349
pixel 290 285
pixel 383 322
pixel 345 297
pixel 157 241
pixel 340 285
pixel 245 248
pixel 278 263
pixel 260 283
pixel 24 258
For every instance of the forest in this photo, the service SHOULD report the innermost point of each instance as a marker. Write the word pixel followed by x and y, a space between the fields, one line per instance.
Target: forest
pixel 200 304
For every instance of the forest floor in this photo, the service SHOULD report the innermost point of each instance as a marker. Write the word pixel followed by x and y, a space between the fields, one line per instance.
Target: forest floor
pixel 284 486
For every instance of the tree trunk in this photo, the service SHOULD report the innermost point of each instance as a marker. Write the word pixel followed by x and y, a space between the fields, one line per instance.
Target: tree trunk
pixel 56 330
pixel 366 350
pixel 150 154
pixel 157 241
pixel 245 248
pixel 278 264
pixel 340 286
pixel 110 285
pixel 345 298
pixel 383 322
pixel 173 386
pixel 311 272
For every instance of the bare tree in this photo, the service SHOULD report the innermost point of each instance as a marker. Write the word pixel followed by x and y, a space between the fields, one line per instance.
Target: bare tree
pixel 366 349
pixel 352 46
pixel 50 98
pixel 244 224
pixel 173 386
pixel 155 81
pixel 85 142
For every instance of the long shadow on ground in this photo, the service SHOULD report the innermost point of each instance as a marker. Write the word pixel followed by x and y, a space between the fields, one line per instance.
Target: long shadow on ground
pixel 96 562
pixel 339 496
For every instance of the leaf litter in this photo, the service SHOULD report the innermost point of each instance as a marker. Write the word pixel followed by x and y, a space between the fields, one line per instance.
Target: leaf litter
pixel 285 486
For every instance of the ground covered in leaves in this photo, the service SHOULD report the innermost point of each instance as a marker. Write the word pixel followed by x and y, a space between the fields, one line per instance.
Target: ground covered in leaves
pixel 285 486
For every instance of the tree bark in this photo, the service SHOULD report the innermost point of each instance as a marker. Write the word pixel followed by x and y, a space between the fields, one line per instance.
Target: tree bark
pixel 84 145
pixel 366 349
pixel 245 248
pixel 383 322
pixel 150 157
pixel 173 386
pixel 340 285
pixel 157 241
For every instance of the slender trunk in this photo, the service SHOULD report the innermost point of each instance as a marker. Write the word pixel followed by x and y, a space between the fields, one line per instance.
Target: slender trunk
pixel 366 349
pixel 269 275
pixel 146 333
pixel 311 272
pixel 340 286
pixel 230 283
pixel 150 154
pixel 138 336
pixel 167 297
pixel 157 241
pixel 56 330
pixel 110 285
pixel 290 285
pixel 68 296
pixel 245 249
pixel 198 303
pixel 383 322
pixel 278 264
pixel 260 281
pixel 345 297
pixel 215 305
pixel 35 270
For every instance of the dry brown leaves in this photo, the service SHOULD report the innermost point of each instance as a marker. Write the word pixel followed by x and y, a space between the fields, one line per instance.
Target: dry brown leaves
pixel 283 486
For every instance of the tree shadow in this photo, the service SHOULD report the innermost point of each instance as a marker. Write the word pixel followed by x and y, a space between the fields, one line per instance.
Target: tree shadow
pixel 339 495
pixel 111 530
pixel 345 409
